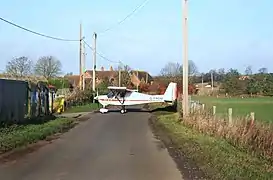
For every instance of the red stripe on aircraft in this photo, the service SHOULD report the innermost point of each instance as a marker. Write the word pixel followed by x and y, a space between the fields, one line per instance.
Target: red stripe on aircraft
pixel 121 100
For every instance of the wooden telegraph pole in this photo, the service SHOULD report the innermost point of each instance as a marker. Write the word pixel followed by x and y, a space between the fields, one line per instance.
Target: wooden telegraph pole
pixel 94 61
pixel 212 80
pixel 80 85
pixel 119 74
pixel 185 102
pixel 83 66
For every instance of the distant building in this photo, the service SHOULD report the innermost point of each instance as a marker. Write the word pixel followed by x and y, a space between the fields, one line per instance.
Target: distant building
pixel 244 78
pixel 140 76
pixel 111 75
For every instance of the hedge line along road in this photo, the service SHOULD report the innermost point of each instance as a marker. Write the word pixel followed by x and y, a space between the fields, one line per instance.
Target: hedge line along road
pixel 110 146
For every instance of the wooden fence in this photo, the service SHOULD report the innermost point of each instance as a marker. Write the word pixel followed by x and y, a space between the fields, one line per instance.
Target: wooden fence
pixel 196 106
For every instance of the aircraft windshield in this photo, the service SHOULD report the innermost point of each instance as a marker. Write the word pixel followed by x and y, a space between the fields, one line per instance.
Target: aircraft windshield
pixel 110 94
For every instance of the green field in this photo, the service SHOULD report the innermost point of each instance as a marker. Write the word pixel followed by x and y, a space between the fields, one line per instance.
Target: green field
pixel 261 106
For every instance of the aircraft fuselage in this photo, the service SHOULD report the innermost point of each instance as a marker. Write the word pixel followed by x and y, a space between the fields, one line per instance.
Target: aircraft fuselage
pixel 133 98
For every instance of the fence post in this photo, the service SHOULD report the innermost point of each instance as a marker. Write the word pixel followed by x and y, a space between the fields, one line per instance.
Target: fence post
pixel 230 116
pixel 203 107
pixel 213 110
pixel 193 107
pixel 252 117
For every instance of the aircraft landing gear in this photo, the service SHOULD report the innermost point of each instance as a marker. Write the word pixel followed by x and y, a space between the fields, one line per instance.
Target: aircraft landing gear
pixel 103 110
pixel 123 110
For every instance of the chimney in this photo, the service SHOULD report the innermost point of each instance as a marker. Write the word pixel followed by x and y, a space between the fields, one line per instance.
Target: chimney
pixel 111 68
pixel 102 68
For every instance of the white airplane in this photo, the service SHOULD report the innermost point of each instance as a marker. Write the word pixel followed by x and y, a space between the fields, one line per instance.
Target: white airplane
pixel 121 96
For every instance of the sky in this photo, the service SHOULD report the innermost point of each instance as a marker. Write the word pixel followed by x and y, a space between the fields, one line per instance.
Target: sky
pixel 222 33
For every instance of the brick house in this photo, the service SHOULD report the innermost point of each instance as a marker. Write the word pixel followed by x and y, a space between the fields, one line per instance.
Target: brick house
pixel 140 76
pixel 244 78
pixel 101 75
pixel 111 75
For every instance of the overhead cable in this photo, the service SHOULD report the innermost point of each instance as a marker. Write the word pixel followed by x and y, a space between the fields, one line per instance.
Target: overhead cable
pixel 34 32
pixel 126 17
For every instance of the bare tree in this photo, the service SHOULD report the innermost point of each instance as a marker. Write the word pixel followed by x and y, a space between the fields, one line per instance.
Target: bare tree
pixel 20 66
pixel 125 75
pixel 48 66
pixel 263 70
pixel 171 69
pixel 193 70
pixel 248 70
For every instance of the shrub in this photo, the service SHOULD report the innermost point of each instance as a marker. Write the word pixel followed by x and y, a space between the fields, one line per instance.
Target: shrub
pixel 80 98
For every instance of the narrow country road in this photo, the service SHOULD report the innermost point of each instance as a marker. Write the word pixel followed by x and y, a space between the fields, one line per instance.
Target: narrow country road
pixel 107 147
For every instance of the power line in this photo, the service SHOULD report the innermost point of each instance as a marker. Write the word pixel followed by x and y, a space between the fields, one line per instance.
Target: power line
pixel 31 31
pixel 102 56
pixel 56 38
pixel 126 17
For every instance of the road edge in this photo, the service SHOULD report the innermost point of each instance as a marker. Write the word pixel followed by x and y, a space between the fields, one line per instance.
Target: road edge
pixel 187 167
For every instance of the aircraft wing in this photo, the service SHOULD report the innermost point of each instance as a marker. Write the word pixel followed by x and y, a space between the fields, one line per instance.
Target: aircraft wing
pixel 116 88
pixel 120 89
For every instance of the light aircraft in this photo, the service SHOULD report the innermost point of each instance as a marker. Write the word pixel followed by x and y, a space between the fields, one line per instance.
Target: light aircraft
pixel 121 96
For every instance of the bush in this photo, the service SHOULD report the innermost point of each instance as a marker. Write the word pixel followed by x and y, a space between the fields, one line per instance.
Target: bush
pixel 17 136
pixel 80 98
pixel 59 83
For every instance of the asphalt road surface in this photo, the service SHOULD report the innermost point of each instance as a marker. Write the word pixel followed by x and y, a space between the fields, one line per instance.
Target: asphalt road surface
pixel 107 147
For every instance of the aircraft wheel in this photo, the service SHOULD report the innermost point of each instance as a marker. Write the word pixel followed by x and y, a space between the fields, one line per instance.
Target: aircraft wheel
pixel 122 111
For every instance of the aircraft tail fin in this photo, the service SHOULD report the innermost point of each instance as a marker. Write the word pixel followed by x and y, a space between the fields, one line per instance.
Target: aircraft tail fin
pixel 170 94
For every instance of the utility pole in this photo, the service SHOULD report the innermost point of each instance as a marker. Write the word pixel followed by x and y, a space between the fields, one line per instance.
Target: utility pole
pixel 80 65
pixel 119 74
pixel 202 81
pixel 211 77
pixel 185 103
pixel 139 82
pixel 94 60
pixel 119 78
pixel 83 66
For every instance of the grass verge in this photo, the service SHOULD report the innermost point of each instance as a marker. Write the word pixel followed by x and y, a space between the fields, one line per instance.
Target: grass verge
pixel 83 108
pixel 23 135
pixel 214 156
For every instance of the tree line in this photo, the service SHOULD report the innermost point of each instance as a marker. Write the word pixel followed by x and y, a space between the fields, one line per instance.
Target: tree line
pixel 48 67
pixel 229 81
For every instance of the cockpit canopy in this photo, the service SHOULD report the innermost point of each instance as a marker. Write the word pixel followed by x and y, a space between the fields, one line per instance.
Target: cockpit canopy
pixel 116 93
pixel 110 94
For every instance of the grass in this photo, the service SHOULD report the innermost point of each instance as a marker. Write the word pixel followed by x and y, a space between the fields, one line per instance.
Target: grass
pixel 262 106
pixel 215 156
pixel 22 135
pixel 83 108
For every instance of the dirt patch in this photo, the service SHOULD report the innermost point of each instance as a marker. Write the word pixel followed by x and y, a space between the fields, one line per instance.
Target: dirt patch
pixel 187 167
